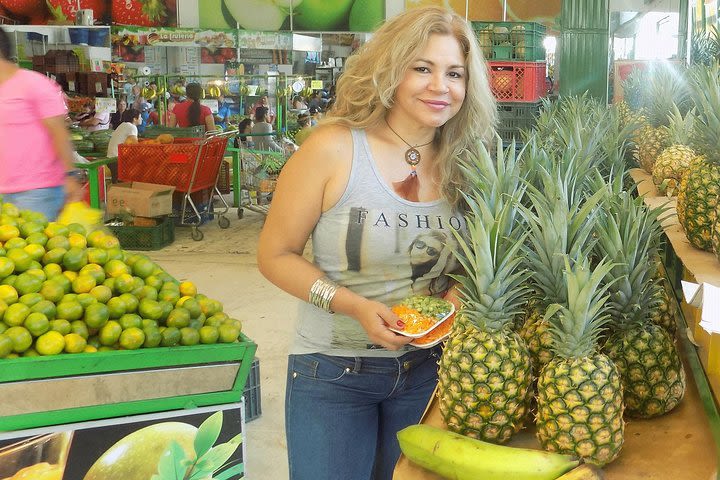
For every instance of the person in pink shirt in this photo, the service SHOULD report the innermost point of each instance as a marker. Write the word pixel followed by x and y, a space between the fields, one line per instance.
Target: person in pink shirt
pixel 36 158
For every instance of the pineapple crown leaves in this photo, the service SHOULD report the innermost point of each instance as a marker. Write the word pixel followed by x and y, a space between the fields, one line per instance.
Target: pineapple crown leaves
pixel 680 128
pixel 634 89
pixel 705 47
pixel 666 87
pixel 628 236
pixel 497 179
pixel 559 225
pixel 493 288
pixel 576 326
pixel 705 139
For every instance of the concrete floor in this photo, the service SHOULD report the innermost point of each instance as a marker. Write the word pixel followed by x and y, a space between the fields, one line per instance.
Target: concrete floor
pixel 223 266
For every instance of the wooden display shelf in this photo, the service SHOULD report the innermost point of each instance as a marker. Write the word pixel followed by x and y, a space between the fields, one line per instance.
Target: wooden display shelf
pixel 677 446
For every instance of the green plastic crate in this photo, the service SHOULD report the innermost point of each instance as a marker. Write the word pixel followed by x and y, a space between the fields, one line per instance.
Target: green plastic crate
pixel 522 41
pixel 54 390
pixel 145 238
pixel 509 111
pixel 514 117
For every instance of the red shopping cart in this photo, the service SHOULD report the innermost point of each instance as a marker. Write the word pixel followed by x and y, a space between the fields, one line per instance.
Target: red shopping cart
pixel 189 164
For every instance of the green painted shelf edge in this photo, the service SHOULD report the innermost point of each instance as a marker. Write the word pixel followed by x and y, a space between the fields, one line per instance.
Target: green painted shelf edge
pixel 33 368
pixel 102 362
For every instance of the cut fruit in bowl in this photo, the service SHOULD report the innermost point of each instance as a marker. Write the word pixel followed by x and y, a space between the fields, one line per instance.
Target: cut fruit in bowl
pixel 421 314
pixel 436 335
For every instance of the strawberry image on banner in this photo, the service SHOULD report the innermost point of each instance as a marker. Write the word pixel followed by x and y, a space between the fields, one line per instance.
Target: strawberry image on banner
pixel 144 13
pixel 64 11
pixel 32 12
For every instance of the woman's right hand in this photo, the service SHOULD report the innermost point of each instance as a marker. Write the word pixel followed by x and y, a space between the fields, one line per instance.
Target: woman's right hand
pixel 375 317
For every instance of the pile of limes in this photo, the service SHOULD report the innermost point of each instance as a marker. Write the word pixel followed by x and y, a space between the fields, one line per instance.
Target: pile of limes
pixel 63 290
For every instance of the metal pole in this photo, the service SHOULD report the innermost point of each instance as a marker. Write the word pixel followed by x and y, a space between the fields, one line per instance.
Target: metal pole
pixel 504 10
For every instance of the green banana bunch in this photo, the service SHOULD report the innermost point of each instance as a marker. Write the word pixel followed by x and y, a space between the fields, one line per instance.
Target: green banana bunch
pixel 459 457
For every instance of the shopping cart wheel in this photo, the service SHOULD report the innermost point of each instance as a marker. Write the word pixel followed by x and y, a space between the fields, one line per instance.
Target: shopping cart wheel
pixel 197 235
pixel 223 221
pixel 241 213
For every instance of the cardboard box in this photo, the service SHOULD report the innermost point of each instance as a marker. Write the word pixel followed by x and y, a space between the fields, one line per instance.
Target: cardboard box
pixel 140 199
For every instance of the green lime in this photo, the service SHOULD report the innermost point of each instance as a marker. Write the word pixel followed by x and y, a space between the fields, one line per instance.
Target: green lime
pixel 153 337
pixel 60 325
pixel 109 334
pixel 208 334
pixel 96 315
pixel 189 336
pixel 37 324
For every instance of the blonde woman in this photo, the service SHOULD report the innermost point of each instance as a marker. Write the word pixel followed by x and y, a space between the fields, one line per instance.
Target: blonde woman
pixel 377 174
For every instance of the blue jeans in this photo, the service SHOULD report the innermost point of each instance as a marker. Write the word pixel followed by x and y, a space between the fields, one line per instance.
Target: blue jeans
pixel 48 201
pixel 342 414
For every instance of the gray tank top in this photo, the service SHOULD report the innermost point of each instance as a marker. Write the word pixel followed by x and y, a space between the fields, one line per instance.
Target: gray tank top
pixel 380 246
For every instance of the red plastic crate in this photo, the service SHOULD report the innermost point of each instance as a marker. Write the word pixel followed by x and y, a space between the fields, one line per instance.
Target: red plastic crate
pixel 173 164
pixel 517 81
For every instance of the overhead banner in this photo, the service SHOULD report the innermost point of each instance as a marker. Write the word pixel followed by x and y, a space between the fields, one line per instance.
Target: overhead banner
pixel 174 37
pixel 296 15
pixel 546 12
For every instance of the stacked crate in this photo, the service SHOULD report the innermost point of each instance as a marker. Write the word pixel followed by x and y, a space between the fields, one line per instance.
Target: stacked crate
pixel 516 61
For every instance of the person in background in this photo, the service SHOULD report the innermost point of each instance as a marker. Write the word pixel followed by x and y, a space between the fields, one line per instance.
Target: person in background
pixel 420 83
pixel 191 112
pixel 126 130
pixel 265 103
pixel 245 127
pixel 36 157
pixel 128 89
pixel 305 128
pixel 116 118
pixel 93 120
pixel 314 101
pixel 262 126
pixel 299 103
pixel 223 113
pixel 138 100
pixel 314 116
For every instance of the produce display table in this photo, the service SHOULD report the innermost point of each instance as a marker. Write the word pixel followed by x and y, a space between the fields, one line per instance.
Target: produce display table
pixel 682 445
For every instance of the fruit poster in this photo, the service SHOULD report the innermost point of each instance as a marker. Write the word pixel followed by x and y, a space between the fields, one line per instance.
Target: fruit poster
pixel 546 12
pixel 142 447
pixel 147 13
pixel 296 15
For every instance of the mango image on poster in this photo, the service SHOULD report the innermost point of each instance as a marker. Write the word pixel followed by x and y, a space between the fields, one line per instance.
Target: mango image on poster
pixel 261 15
pixel 136 456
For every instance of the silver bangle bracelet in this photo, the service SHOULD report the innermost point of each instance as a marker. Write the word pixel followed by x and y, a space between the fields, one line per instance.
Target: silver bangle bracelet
pixel 322 293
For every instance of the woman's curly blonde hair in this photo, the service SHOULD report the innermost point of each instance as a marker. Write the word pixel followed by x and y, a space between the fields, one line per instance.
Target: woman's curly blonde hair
pixel 366 88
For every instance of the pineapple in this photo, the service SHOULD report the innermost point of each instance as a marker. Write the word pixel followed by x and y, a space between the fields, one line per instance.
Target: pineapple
pixel 675 159
pixel 664 90
pixel 664 308
pixel 580 401
pixel 649 365
pixel 697 197
pixel 484 372
pixel 560 224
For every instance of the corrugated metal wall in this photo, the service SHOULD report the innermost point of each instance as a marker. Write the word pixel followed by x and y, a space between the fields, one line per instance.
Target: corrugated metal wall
pixel 583 47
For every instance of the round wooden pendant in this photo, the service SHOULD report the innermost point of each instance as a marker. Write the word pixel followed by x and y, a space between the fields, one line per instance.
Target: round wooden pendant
pixel 412 156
